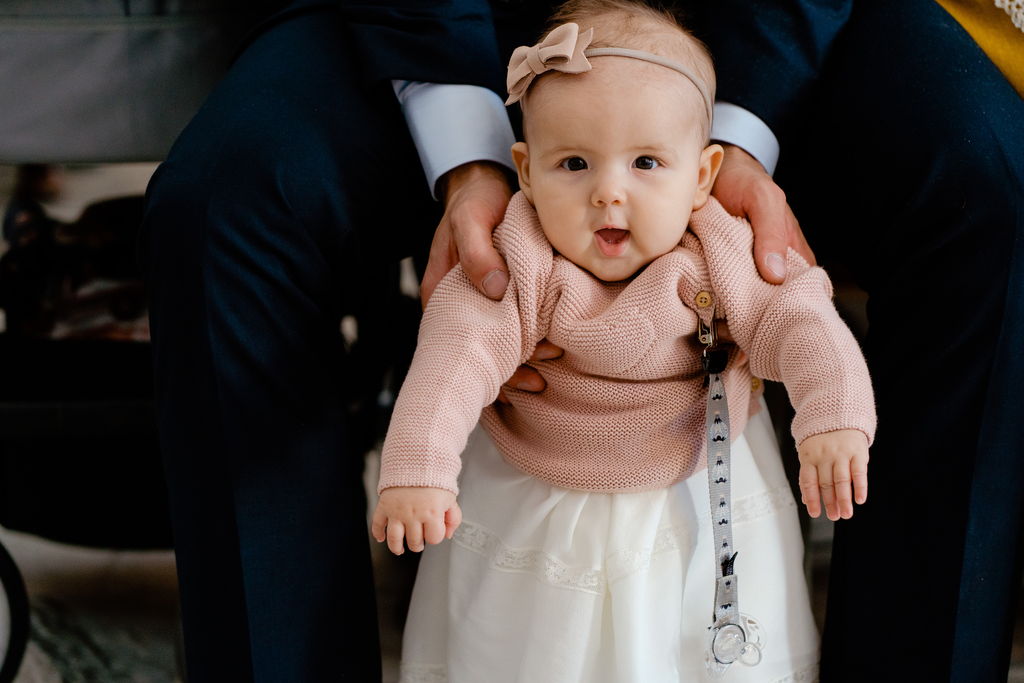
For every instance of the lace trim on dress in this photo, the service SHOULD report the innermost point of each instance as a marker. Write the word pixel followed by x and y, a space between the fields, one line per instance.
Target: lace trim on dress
pixel 808 674
pixel 1015 8
pixel 749 508
pixel 759 505
pixel 425 673
pixel 627 562
pixel 482 541
pixel 422 673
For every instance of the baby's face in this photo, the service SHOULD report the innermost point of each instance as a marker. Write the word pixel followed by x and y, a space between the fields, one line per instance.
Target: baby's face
pixel 614 163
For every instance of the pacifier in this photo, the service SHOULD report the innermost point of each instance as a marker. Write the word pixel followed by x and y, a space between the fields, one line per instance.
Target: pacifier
pixel 731 642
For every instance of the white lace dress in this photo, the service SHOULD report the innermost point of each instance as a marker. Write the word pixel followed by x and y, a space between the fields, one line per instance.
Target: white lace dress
pixel 547 585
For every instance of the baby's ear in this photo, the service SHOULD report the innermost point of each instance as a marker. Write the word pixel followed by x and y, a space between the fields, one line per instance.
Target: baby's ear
pixel 521 158
pixel 710 162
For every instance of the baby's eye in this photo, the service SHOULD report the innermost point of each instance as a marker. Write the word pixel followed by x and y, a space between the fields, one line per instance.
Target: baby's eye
pixel 574 164
pixel 645 163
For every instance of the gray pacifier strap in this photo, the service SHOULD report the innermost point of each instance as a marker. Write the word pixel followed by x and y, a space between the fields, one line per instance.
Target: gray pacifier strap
pixel 733 637
pixel 719 471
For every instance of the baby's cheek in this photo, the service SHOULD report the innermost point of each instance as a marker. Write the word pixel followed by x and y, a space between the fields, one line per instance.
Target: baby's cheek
pixel 572 242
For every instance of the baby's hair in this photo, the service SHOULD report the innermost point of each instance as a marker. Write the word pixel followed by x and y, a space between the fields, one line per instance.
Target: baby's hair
pixel 643 26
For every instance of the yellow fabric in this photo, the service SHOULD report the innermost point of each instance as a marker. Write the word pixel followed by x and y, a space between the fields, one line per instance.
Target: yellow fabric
pixel 993 31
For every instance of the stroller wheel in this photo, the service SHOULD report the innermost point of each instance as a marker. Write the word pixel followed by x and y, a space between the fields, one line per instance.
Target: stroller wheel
pixel 14 617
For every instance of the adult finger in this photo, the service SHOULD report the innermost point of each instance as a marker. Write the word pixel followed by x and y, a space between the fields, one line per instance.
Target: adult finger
pixel 476 196
pixel 443 257
pixel 859 471
pixel 546 351
pixel 769 219
pixel 526 378
pixel 414 536
pixel 472 228
pixel 434 530
pixel 396 536
pixel 828 491
pixel 810 495
pixel 452 519
pixel 842 482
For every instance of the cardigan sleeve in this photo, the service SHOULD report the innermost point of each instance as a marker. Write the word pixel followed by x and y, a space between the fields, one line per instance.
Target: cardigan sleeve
pixel 791 332
pixel 799 339
pixel 468 347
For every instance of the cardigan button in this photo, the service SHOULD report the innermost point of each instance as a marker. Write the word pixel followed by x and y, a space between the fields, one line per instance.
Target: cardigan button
pixel 703 299
pixel 755 383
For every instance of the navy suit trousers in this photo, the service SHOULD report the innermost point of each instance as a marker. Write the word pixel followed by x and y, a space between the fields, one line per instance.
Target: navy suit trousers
pixel 910 173
pixel 292 188
pixel 296 182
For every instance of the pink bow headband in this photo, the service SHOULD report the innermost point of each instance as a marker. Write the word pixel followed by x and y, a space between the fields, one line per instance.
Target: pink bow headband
pixel 565 50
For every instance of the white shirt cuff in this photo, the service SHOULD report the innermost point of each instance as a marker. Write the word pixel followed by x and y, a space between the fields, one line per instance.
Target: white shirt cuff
pixel 455 124
pixel 737 126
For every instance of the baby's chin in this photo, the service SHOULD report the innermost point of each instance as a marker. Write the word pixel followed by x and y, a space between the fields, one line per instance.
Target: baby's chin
pixel 614 270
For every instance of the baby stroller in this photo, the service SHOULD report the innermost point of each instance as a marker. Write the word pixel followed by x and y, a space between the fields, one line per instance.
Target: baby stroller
pixel 77 451
pixel 14 617
pixel 98 80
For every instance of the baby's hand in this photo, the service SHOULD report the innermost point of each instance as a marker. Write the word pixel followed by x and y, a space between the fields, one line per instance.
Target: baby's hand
pixel 829 463
pixel 416 514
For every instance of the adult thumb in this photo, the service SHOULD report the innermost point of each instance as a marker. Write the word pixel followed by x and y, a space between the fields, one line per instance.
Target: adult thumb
pixel 480 260
pixel 770 240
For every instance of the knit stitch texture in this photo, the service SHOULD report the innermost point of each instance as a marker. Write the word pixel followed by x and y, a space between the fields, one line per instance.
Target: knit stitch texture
pixel 624 406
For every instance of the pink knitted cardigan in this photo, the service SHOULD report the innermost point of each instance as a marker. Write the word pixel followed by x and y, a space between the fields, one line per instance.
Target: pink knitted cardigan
pixel 624 406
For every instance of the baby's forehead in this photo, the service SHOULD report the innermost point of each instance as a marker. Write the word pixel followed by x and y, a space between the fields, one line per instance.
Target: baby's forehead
pixel 617 79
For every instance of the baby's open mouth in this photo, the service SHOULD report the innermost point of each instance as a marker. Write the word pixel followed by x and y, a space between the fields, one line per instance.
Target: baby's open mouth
pixel 611 241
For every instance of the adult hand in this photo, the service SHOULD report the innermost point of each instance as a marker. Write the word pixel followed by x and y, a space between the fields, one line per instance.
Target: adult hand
pixel 745 189
pixel 475 198
pixel 526 378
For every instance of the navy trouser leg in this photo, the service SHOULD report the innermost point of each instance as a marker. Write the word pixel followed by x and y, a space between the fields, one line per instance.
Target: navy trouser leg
pixel 292 181
pixel 915 173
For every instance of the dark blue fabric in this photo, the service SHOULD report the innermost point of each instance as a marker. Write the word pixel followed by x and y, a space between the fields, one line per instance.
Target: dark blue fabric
pixel 908 173
pixel 441 41
pixel 901 155
pixel 294 185
pixel 770 53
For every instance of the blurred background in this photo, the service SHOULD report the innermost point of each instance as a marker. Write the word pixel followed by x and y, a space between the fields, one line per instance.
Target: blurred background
pixel 94 93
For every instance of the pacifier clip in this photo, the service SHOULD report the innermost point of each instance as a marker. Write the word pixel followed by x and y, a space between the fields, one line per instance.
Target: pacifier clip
pixel 732 636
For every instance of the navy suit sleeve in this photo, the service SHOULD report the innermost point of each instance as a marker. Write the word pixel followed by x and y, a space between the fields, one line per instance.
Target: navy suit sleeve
pixel 768 53
pixel 438 41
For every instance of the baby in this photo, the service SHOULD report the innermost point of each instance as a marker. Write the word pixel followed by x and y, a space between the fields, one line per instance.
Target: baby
pixel 581 515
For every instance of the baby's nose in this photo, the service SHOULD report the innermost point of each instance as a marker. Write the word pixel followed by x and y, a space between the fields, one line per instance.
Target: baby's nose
pixel 609 191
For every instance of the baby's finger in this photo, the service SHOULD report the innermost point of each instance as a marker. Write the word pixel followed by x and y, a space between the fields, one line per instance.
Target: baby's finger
pixel 452 519
pixel 396 534
pixel 434 531
pixel 859 470
pixel 809 493
pixel 844 496
pixel 414 537
pixel 828 492
pixel 378 526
